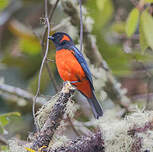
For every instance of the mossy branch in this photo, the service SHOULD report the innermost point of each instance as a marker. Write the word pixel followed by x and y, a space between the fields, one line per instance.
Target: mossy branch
pixel 137 145
pixel 92 143
pixel 45 135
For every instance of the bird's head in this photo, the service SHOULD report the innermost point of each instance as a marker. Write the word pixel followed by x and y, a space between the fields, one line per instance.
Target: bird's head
pixel 61 40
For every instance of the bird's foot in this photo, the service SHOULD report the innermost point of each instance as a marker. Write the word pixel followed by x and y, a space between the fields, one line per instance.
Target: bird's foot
pixel 72 82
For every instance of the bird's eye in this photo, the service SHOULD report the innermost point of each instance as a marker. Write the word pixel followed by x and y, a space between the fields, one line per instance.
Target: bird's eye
pixel 63 42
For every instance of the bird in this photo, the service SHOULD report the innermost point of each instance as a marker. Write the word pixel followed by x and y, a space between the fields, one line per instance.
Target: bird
pixel 72 67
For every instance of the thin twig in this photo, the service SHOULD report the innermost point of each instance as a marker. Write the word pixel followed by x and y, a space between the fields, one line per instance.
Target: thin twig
pixel 50 18
pixel 81 26
pixel 43 46
pixel 53 10
pixel 51 76
pixel 43 61
pixel 16 91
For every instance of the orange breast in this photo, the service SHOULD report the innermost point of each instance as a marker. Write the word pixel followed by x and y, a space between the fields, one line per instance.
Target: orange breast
pixel 68 66
pixel 70 70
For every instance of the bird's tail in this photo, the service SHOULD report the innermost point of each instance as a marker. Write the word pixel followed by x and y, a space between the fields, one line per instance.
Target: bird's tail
pixel 96 107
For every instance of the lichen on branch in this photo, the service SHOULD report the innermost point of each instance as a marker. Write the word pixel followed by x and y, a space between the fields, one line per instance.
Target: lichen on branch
pixel 46 133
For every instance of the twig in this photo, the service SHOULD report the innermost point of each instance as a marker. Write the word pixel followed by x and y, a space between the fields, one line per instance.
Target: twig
pixel 53 10
pixel 16 91
pixel 134 2
pixel 43 43
pixel 42 64
pixel 92 143
pixel 50 18
pixel 46 133
pixel 81 26
pixel 44 39
pixel 90 47
pixel 45 54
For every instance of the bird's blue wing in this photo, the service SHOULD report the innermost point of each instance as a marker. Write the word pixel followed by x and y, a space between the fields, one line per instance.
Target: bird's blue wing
pixel 83 64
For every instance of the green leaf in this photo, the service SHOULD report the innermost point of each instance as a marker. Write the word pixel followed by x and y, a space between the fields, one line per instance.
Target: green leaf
pixel 101 4
pixel 5 118
pixel 142 39
pixel 3 4
pixel 149 1
pixel 132 22
pixel 147 27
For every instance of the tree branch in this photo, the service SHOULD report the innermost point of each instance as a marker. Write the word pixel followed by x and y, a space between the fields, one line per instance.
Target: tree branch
pixel 3 140
pixel 46 133
pixel 92 143
pixel 18 92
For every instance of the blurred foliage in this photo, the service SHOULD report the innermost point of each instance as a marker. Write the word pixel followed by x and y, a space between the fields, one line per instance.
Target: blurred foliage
pixel 5 119
pixel 101 7
pixel 3 4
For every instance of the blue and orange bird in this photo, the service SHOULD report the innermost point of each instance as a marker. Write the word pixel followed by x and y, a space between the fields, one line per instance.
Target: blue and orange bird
pixel 72 67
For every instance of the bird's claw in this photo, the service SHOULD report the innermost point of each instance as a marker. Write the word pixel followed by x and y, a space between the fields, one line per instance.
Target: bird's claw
pixel 72 82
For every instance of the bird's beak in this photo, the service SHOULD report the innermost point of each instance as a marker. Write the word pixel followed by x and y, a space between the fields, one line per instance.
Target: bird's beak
pixel 51 38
